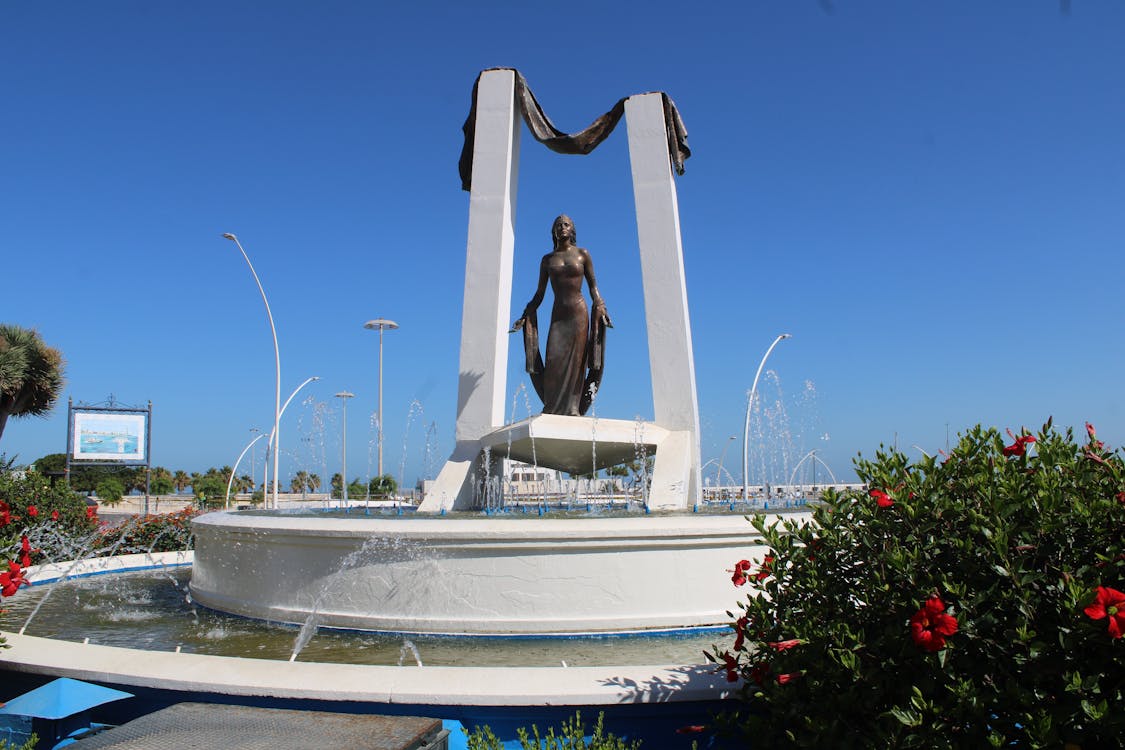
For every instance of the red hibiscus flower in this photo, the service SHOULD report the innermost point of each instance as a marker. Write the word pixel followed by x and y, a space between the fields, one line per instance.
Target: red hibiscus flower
pixel 32 511
pixel 785 645
pixel 54 515
pixel 740 569
pixel 692 729
pixel 740 631
pixel 766 569
pixel 1109 604
pixel 731 665
pixel 1019 447
pixel 25 552
pixel 882 499
pixel 5 514
pixel 1120 499
pixel 785 679
pixel 930 626
pixel 12 579
pixel 91 511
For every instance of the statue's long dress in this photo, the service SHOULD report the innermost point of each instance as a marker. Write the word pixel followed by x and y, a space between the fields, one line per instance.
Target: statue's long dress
pixel 564 371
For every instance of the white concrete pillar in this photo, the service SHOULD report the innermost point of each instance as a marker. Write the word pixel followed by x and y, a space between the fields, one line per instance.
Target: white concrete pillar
pixel 662 269
pixel 486 311
pixel 486 314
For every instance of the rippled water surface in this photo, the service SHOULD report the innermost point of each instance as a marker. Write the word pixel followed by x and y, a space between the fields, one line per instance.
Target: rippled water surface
pixel 152 611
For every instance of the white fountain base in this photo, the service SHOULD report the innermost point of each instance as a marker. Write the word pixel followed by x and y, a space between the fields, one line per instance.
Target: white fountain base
pixel 473 576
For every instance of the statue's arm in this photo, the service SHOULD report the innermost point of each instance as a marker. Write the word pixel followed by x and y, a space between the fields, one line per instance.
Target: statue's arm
pixel 595 295
pixel 536 300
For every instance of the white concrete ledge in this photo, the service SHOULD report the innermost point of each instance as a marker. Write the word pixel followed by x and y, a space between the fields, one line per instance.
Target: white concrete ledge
pixel 423 686
pixel 51 572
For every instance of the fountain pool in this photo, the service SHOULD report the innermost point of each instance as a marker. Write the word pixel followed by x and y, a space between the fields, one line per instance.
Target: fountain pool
pixel 624 575
pixel 150 610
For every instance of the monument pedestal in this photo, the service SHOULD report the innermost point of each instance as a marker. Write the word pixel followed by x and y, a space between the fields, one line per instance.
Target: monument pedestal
pixel 577 445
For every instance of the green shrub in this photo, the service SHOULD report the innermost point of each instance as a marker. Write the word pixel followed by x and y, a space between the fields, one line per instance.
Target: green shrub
pixel 169 532
pixel 572 737
pixel 967 602
pixel 30 744
pixel 54 517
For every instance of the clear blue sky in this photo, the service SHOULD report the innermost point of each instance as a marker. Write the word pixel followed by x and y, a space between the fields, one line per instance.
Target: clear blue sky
pixel 928 196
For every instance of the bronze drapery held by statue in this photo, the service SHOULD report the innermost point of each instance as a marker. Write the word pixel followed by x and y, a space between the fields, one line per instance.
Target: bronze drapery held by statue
pixel 575 359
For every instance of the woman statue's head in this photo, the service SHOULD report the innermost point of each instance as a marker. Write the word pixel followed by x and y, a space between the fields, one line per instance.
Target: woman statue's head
pixel 563 227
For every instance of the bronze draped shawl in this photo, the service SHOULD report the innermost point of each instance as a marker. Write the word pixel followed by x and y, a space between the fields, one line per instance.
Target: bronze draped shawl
pixel 575 143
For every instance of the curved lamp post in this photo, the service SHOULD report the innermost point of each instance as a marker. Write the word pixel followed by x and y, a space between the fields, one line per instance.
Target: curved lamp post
pixel 380 325
pixel 269 445
pixel 276 359
pixel 230 482
pixel 749 405
pixel 344 396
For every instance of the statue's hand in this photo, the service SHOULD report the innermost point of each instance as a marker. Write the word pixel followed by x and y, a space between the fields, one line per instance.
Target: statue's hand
pixel 604 316
pixel 518 325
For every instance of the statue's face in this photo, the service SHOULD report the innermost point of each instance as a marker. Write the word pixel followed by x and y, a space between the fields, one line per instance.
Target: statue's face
pixel 563 227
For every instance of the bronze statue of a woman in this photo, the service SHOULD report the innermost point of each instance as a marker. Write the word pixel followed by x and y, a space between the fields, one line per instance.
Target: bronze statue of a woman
pixel 572 374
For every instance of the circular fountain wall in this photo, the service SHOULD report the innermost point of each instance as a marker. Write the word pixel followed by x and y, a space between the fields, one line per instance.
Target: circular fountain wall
pixel 474 576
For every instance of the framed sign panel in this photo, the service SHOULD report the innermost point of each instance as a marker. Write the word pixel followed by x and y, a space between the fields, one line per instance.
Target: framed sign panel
pixel 105 436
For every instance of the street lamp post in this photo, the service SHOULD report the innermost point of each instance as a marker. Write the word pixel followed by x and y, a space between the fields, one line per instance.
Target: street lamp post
pixel 254 460
pixel 344 396
pixel 277 363
pixel 749 405
pixel 380 325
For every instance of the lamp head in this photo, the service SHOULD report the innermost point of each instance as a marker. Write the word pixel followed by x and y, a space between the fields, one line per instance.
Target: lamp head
pixel 229 236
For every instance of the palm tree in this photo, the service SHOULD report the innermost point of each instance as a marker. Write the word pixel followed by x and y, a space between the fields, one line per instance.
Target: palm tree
pixel 313 482
pixel 300 482
pixel 31 374
pixel 244 483
pixel 180 480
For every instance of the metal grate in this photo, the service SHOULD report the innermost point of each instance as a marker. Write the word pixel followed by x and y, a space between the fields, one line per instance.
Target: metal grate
pixel 196 725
